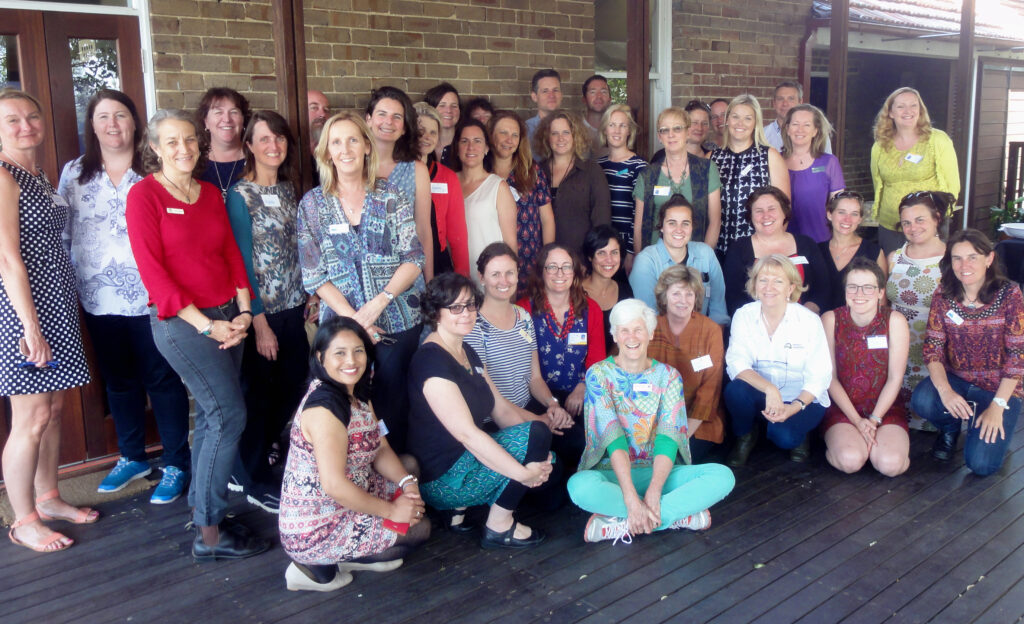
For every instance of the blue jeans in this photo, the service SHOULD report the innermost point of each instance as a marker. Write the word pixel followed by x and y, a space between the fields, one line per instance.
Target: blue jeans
pixel 132 367
pixel 981 457
pixel 212 375
pixel 745 404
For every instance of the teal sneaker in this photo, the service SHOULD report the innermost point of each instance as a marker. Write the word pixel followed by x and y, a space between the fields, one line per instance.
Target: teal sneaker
pixel 172 485
pixel 123 473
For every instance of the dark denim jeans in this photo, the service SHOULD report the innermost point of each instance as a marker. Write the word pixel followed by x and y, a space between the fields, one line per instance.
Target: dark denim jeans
pixel 212 375
pixel 745 404
pixel 981 457
pixel 132 367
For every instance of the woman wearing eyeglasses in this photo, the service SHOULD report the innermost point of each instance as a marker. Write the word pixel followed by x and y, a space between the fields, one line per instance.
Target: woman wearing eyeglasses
pixel 570 335
pixel 869 344
pixel 914 275
pixel 697 142
pixel 678 173
pixel 845 212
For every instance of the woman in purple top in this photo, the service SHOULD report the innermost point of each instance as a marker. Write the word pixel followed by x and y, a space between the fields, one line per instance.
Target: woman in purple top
pixel 814 175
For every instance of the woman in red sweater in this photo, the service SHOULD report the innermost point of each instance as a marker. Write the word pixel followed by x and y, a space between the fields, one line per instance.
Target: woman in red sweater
pixel 199 311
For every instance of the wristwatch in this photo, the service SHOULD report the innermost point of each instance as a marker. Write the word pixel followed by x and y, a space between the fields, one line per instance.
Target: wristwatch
pixel 1001 403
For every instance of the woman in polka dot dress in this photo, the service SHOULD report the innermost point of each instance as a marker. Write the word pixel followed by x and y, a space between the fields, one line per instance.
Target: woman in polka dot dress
pixel 40 338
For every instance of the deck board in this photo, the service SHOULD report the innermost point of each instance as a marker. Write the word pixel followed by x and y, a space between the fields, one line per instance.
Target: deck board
pixel 834 547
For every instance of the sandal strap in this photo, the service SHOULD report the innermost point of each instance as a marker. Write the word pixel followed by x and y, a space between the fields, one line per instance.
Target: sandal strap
pixel 511 533
pixel 29 519
pixel 52 494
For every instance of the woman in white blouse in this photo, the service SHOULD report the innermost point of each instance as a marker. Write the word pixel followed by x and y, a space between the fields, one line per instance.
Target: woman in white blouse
pixel 114 299
pixel 778 361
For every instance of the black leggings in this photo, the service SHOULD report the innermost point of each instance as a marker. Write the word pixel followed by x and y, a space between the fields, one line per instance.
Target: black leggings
pixel 537 449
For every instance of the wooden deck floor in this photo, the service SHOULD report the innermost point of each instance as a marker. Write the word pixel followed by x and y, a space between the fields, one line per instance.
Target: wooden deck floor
pixel 792 543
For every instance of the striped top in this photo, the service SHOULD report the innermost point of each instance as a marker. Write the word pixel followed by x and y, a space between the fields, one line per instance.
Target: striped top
pixel 507 354
pixel 621 178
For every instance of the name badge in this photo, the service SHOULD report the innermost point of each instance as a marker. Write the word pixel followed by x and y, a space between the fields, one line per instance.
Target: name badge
pixel 956 318
pixel 746 170
pixel 382 428
pixel 914 158
pixel 642 387
pixel 441 188
pixel 271 201
pixel 479 370
pixel 515 194
pixel 701 363
pixel 661 191
pixel 878 342
pixel 623 172
pixel 178 211
pixel 817 169
pixel 577 339
pixel 527 336
pixel 338 228
pixel 799 260
pixel 59 199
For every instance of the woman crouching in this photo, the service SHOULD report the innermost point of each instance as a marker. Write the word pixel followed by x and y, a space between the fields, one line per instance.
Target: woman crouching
pixel 635 419
pixel 348 502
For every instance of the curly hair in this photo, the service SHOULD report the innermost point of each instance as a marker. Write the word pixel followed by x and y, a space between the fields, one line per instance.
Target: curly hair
pixel 444 290
pixel 537 292
pixel 688 276
pixel 885 127
pixel 580 136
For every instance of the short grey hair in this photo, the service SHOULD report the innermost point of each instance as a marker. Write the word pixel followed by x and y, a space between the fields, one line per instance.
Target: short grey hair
pixel 629 310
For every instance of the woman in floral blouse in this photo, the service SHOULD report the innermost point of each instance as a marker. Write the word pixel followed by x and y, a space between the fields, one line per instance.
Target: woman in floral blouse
pixel 359 252
pixel 636 432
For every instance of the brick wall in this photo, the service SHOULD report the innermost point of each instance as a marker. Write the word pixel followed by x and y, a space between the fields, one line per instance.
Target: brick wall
pixel 723 48
pixel 483 47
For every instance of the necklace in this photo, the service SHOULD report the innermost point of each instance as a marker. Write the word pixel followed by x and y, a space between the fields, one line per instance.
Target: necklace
pixel 39 178
pixel 16 162
pixel 562 333
pixel 685 173
pixel 220 182
pixel 767 324
pixel 460 355
pixel 971 303
pixel 186 193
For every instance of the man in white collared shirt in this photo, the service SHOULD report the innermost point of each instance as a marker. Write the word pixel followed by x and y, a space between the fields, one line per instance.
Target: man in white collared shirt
pixel 788 94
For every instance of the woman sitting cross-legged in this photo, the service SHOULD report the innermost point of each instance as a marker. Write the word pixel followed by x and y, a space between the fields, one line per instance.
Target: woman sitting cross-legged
pixel 974 350
pixel 629 477
pixel 778 361
pixel 473 446
pixel 869 344
pixel 348 501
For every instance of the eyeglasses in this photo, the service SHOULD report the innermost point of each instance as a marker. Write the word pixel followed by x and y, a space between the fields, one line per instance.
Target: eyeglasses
pixel 938 199
pixel 459 308
pixel 867 289
pixel 674 129
pixel 554 269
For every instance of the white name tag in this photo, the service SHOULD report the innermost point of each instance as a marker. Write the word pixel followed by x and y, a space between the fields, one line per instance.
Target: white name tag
pixel 271 201
pixel 515 194
pixel 179 211
pixel 382 427
pixel 338 228
pixel 441 188
pixel 661 191
pixel 701 363
pixel 746 170
pixel 799 260
pixel 956 318
pixel 642 387
pixel 878 342
pixel 59 199
pixel 914 158
pixel 527 336
pixel 577 339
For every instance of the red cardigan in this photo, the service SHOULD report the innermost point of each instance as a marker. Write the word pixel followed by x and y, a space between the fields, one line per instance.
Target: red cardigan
pixel 451 216
pixel 186 253
pixel 595 331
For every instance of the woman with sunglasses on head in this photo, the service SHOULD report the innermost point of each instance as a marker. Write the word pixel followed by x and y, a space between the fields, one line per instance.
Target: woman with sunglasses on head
pixel 845 212
pixel 869 344
pixel 474 447
pixel 40 337
pixel 908 154
pixel 974 350
pixel 914 276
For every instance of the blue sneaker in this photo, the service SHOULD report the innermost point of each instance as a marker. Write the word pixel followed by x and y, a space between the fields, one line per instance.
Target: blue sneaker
pixel 124 472
pixel 171 486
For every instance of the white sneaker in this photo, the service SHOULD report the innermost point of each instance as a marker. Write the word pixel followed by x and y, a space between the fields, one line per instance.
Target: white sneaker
pixel 297 580
pixel 696 522
pixel 600 528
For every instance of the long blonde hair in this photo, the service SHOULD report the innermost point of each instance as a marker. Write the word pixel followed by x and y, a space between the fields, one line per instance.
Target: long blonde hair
pixel 324 166
pixel 885 127
pixel 746 100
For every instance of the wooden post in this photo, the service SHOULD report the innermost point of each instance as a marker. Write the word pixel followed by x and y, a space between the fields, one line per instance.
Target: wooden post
pixel 290 61
pixel 961 106
pixel 837 66
pixel 638 69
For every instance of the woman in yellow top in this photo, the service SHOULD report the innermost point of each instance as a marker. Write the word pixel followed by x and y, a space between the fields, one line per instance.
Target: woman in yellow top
pixel 908 155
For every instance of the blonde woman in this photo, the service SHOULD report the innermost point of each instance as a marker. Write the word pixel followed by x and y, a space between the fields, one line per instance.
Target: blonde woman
pixel 621 168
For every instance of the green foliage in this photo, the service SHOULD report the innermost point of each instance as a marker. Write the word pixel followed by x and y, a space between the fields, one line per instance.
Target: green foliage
pixel 1012 212
pixel 617 86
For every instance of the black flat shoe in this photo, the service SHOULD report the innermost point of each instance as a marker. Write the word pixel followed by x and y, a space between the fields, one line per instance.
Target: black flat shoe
pixel 233 544
pixel 945 445
pixel 741 450
pixel 802 452
pixel 461 528
pixel 492 540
